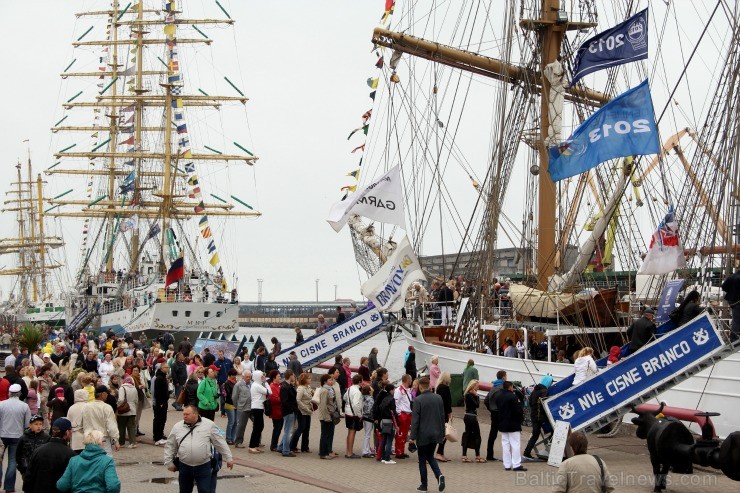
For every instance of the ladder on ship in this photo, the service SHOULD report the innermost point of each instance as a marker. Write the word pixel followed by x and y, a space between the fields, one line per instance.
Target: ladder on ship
pixel 82 320
pixel 617 413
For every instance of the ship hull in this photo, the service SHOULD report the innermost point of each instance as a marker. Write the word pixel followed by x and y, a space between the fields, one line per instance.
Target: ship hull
pixel 716 389
pixel 179 318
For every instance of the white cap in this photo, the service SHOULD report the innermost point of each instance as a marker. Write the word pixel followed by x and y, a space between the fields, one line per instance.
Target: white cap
pixel 14 389
pixel 46 355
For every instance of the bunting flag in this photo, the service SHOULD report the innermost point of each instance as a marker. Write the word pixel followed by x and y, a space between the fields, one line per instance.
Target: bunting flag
pixel 390 6
pixel 362 147
pixel 351 188
pixel 153 231
pixel 354 174
pixel 379 63
pixel 175 80
pixel 366 116
pixel 372 82
pixel 128 141
pixel 372 95
pixel 364 129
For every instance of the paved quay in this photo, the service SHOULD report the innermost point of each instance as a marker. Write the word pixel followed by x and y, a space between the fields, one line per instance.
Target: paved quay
pixel 626 457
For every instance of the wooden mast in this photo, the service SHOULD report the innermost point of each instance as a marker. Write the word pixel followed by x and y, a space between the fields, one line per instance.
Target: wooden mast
pixel 22 241
pixel 113 116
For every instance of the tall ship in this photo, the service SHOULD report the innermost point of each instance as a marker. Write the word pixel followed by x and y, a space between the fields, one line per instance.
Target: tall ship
pixel 473 105
pixel 35 297
pixel 148 159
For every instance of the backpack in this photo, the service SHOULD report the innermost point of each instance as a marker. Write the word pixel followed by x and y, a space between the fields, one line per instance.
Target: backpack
pixel 490 400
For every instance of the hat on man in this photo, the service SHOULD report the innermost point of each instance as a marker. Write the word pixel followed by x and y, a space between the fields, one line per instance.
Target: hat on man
pixel 62 424
pixel 46 355
pixel 214 368
pixel 14 389
pixel 36 417
pixel 648 311
pixel 101 389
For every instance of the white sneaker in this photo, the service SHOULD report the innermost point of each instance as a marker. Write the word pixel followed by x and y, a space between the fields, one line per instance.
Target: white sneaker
pixel 388 461
pixel 160 442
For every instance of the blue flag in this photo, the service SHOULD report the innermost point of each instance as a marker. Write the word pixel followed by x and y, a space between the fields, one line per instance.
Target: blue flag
pixel 624 43
pixel 625 126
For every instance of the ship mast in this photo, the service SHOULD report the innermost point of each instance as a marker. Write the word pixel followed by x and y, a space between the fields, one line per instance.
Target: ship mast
pixel 127 92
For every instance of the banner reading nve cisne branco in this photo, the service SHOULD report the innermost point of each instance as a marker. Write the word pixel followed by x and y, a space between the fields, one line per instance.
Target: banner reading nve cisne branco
pixel 622 383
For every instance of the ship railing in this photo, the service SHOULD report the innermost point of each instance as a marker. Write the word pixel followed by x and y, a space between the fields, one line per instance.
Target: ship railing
pixel 430 313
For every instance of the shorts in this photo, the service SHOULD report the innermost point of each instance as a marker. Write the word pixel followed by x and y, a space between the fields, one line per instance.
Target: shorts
pixel 353 423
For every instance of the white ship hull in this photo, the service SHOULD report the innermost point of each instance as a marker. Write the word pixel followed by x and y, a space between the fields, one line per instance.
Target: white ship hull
pixel 179 318
pixel 716 389
pixel 50 318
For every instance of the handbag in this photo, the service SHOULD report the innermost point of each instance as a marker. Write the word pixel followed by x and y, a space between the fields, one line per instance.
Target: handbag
pixel 124 407
pixel 386 426
pixel 316 398
pixel 335 417
pixel 216 460
pixel 450 432
pixel 268 407
pixel 182 397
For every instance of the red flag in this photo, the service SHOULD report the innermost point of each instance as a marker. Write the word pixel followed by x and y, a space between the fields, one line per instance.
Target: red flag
pixel 176 272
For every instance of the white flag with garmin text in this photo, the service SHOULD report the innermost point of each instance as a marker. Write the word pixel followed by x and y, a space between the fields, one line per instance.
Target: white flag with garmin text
pixel 387 288
pixel 381 200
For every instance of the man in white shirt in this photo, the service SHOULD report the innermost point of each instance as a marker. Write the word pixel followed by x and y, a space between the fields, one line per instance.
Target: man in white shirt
pixel 402 396
pixel 10 359
pixel 98 415
pixel 15 416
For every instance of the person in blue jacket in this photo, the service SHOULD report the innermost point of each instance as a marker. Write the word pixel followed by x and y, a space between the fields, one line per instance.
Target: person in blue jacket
pixel 93 471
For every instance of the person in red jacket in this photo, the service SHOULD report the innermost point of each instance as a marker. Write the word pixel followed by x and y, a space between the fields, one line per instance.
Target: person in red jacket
pixel 277 409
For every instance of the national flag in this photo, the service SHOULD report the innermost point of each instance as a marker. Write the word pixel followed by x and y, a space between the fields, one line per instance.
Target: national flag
pixel 364 129
pixel 605 50
pixel 128 141
pixel 625 126
pixel 373 83
pixel 176 272
pixel 214 260
pixel 362 147
pixel 665 253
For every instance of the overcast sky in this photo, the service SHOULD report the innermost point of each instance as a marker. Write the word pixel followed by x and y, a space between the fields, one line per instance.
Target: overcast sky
pixel 304 66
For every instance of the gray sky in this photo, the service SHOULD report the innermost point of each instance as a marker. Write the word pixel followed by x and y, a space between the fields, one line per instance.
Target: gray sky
pixel 304 66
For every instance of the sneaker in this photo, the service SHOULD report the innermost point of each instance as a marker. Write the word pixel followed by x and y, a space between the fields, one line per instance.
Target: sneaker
pixel 289 454
pixel 229 442
pixel 441 482
pixel 160 443
pixel 239 445
pixel 368 456
pixel 421 488
pixel 527 456
pixel 507 469
pixel 402 456
pixel 388 461
pixel 520 468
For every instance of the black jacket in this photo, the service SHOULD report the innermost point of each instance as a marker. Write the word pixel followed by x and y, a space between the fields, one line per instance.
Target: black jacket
pixel 472 402
pixel 161 389
pixel 690 311
pixel 90 365
pixel 208 360
pixel 288 401
pixel 69 394
pixel 445 296
pixel 640 333
pixel 428 409
pixel 185 347
pixel 47 465
pixel 535 403
pixel 28 443
pixel 386 407
pixel 191 392
pixel 410 365
pixel 731 286
pixel 14 378
pixel 510 413
pixel 444 392
pixel 179 373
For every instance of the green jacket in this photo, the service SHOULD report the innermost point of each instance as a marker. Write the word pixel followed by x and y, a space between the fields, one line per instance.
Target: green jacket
pixel 470 373
pixel 208 394
pixel 92 472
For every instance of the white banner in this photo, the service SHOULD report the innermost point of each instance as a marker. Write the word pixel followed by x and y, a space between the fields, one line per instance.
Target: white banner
pixel 382 200
pixel 387 288
pixel 665 253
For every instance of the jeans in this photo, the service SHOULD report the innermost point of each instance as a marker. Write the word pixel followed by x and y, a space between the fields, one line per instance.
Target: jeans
pixel 303 431
pixel 492 435
pixel 277 427
pixel 258 416
pixel 243 419
pixel 287 432
pixel 178 389
pixel 426 455
pixel 203 476
pixel 126 424
pixel 385 446
pixel 536 430
pixel 11 445
pixel 160 418
pixel 231 425
pixel 327 438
